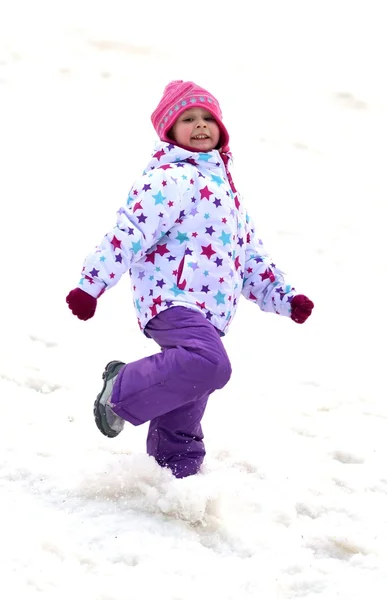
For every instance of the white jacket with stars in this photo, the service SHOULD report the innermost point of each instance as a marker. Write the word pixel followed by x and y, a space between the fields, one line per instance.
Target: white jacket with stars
pixel 186 240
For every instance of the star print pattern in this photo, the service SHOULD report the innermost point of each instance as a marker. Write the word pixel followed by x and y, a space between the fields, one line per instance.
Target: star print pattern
pixel 186 240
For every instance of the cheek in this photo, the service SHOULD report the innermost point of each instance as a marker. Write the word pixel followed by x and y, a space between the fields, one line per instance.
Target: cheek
pixel 184 130
pixel 215 131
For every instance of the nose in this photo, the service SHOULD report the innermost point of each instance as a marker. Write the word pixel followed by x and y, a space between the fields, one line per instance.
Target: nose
pixel 201 123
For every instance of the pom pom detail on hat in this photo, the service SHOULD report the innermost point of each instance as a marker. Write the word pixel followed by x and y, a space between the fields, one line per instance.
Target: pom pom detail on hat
pixel 178 97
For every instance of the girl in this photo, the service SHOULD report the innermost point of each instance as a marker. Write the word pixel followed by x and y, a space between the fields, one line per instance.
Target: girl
pixel 191 251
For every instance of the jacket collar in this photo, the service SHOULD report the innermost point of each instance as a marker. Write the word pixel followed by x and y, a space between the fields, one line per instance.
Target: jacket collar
pixel 165 154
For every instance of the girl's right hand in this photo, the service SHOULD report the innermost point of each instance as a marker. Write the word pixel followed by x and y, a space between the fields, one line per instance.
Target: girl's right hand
pixel 81 304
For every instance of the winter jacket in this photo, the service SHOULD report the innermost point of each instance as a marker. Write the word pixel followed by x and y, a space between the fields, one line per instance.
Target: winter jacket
pixel 186 240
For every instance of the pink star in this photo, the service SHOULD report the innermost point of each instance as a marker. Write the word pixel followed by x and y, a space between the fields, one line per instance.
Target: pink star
pixel 159 154
pixel 116 243
pixel 208 251
pixel 268 274
pixel 151 257
pixel 161 249
pixel 205 193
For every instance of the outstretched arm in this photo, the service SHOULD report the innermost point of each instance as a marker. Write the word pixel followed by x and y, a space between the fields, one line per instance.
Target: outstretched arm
pixel 152 207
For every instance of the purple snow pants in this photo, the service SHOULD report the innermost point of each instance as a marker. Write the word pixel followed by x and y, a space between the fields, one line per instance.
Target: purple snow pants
pixel 171 388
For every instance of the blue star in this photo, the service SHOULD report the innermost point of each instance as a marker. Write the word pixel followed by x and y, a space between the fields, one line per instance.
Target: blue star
pixel 182 237
pixel 159 198
pixel 225 238
pixel 204 156
pixel 136 246
pixel 217 179
pixel 219 297
pixel 177 291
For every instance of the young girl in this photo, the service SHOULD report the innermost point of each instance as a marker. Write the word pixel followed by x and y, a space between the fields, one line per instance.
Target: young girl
pixel 191 252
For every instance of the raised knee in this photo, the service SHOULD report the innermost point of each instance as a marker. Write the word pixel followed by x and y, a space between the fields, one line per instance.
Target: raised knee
pixel 222 371
pixel 214 370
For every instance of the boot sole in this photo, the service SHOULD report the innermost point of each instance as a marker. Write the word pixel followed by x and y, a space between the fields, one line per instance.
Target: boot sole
pixel 100 411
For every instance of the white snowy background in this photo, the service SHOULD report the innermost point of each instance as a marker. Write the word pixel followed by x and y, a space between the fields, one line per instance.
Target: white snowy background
pixel 292 499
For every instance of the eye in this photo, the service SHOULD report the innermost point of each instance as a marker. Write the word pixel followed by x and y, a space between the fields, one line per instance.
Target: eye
pixel 210 118
pixel 187 119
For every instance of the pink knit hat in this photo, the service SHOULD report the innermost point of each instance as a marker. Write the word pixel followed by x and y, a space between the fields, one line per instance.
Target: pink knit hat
pixel 180 96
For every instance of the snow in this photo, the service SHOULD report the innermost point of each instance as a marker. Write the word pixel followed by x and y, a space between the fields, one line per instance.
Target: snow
pixel 291 502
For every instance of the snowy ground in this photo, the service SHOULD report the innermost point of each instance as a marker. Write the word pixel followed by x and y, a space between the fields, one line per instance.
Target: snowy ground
pixel 292 500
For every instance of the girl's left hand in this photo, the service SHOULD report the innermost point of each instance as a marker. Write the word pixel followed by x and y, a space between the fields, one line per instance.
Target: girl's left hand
pixel 301 308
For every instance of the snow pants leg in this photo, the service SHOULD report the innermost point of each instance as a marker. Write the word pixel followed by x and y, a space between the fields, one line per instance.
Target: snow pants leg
pixel 171 388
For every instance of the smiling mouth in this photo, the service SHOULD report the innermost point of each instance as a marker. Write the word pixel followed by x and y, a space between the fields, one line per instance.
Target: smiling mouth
pixel 200 136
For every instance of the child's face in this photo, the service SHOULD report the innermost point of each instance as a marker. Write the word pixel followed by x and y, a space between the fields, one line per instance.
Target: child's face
pixel 196 129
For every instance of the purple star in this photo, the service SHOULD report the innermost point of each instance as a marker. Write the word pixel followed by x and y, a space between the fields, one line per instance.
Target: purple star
pixel 170 146
pixel 200 174
pixel 210 230
pixel 147 186
pixel 130 231
pixel 240 241
pixel 160 283
pixel 218 261
pixel 217 202
pixel 171 258
pixel 188 251
pixel 182 214
pixel 169 303
pixel 118 258
pixel 205 289
pixel 94 272
pixel 209 315
pixel 142 218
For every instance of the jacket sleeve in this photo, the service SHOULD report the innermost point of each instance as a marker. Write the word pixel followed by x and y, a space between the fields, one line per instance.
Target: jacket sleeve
pixel 263 282
pixel 152 207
